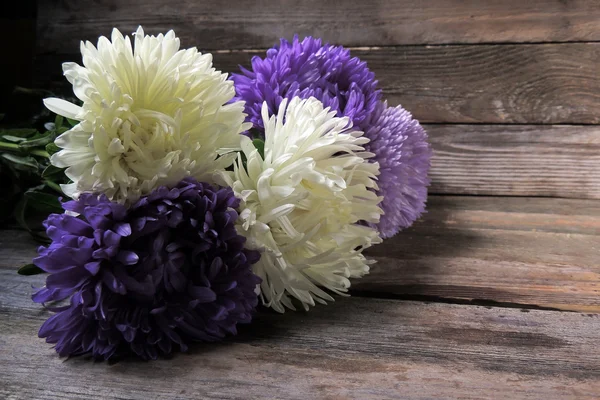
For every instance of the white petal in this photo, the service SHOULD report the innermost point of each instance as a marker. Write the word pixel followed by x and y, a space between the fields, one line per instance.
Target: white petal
pixel 75 138
pixel 63 107
pixel 152 114
pixel 300 205
pixel 70 189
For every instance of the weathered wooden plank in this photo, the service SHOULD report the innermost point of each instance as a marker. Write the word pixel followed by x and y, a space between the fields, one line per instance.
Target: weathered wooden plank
pixel 513 160
pixel 530 251
pixel 516 160
pixel 525 214
pixel 17 248
pixel 353 348
pixel 259 24
pixel 538 83
pixel 533 84
pixel 537 252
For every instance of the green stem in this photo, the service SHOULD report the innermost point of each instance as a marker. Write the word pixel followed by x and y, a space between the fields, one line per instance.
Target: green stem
pixel 40 153
pixel 16 149
pixel 38 92
pixel 9 146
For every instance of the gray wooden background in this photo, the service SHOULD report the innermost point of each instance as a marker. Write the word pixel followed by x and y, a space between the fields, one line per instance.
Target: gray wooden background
pixel 495 293
pixel 509 89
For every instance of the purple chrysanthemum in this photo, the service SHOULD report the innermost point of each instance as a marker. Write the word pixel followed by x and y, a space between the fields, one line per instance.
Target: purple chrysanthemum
pixel 345 84
pixel 149 279
pixel 306 69
pixel 400 146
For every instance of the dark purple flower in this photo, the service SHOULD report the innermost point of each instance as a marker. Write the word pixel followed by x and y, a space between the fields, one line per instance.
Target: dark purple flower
pixel 400 146
pixel 306 69
pixel 149 279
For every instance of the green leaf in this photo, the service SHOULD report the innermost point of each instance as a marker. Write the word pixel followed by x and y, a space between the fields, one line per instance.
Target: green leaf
pixel 54 186
pixel 58 121
pixel 24 163
pixel 254 133
pixel 30 269
pixel 19 132
pixel 72 122
pixel 19 215
pixel 39 141
pixel 51 148
pixel 51 170
pixel 45 202
pixel 14 139
pixel 260 146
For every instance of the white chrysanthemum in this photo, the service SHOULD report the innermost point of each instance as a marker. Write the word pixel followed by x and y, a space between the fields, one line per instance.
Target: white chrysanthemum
pixel 151 116
pixel 302 202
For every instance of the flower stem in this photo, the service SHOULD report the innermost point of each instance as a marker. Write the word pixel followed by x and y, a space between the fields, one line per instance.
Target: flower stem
pixel 9 146
pixel 40 153
pixel 13 147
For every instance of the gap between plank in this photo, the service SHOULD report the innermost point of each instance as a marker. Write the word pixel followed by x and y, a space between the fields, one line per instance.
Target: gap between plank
pixel 396 46
pixel 452 300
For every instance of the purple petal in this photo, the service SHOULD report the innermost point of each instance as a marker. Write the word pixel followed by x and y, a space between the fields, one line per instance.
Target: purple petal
pixel 202 294
pixel 127 257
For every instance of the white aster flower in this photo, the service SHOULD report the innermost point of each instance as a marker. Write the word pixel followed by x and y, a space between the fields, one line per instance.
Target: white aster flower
pixel 302 202
pixel 151 116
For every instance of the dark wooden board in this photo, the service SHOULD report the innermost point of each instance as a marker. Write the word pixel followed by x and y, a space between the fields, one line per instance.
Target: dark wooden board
pixel 17 248
pixel 518 251
pixel 470 302
pixel 351 349
pixel 526 84
pixel 259 24
pixel 516 160
pixel 526 252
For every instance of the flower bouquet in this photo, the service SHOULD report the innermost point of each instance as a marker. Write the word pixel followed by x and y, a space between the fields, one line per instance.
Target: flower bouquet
pixel 194 197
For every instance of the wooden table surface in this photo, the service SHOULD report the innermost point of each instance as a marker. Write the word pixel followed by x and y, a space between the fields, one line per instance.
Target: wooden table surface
pixel 494 293
pixel 483 298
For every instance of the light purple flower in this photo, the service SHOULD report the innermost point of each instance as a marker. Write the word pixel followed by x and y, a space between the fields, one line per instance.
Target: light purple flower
pixel 150 279
pixel 307 68
pixel 400 146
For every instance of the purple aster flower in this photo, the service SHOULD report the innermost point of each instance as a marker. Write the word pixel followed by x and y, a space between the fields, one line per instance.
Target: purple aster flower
pixel 149 279
pixel 400 146
pixel 346 85
pixel 306 69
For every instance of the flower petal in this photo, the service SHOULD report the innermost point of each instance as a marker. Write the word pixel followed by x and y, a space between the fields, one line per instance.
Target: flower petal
pixel 63 107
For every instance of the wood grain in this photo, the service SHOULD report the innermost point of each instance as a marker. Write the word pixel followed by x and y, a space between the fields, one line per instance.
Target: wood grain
pixel 526 252
pixel 528 84
pixel 524 214
pixel 535 252
pixel 538 83
pixel 516 160
pixel 260 24
pixel 524 258
pixel 17 248
pixel 351 349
